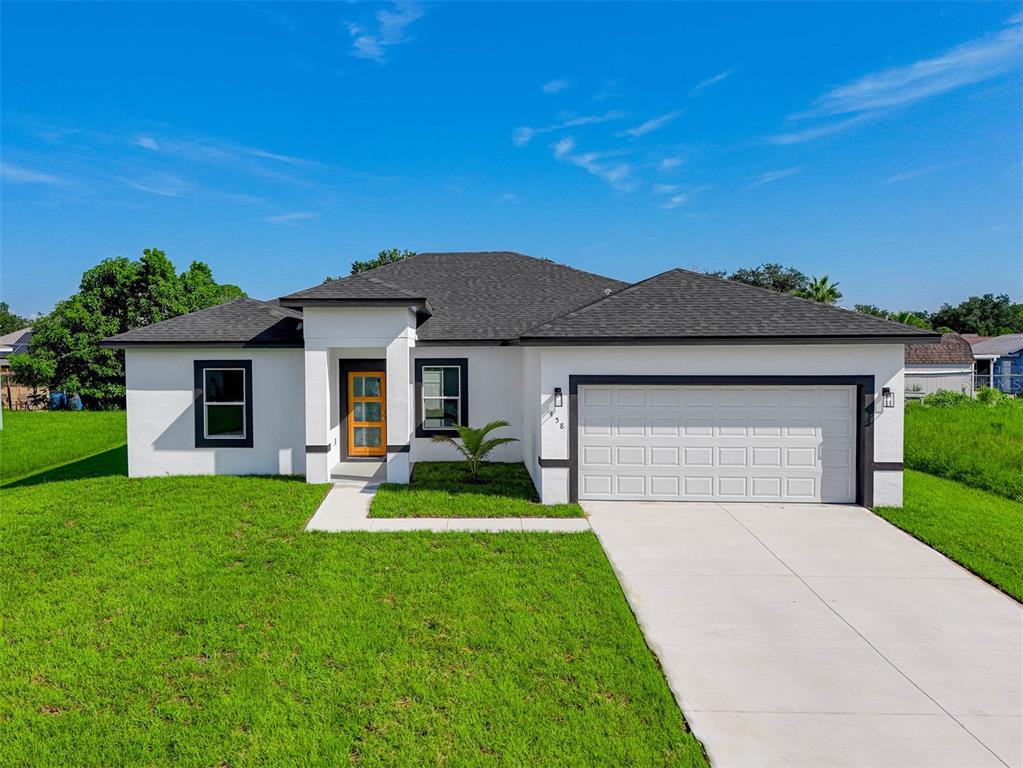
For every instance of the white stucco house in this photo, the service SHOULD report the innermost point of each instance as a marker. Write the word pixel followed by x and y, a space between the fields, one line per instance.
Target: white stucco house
pixel 680 387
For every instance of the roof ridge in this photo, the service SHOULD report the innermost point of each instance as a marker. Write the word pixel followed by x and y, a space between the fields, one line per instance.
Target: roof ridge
pixel 589 305
pixel 832 307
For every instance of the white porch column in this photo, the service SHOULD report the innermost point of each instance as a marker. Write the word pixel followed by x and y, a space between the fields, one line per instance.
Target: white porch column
pixel 317 416
pixel 399 406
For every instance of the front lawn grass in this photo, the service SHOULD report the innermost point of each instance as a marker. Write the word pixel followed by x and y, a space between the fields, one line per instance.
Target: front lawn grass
pixel 443 489
pixel 190 621
pixel 32 441
pixel 979 530
pixel 971 443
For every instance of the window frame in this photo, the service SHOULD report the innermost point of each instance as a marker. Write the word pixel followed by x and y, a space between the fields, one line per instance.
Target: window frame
pixel 202 437
pixel 462 363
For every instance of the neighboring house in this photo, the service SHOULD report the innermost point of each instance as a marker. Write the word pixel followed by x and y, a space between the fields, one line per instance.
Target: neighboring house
pixel 679 387
pixel 4 350
pixel 1000 362
pixel 12 394
pixel 933 367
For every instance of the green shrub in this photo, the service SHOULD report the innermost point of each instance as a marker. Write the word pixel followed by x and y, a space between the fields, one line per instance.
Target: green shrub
pixel 990 396
pixel 946 398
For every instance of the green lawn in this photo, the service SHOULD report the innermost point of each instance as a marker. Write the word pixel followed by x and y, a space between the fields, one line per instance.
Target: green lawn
pixel 191 621
pixel 442 489
pixel 982 531
pixel 32 441
pixel 974 444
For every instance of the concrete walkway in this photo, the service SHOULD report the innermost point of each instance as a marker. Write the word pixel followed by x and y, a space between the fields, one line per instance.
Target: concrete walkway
pixel 812 636
pixel 346 508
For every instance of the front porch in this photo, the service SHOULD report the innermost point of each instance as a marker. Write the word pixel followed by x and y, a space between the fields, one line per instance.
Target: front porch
pixel 372 472
pixel 358 393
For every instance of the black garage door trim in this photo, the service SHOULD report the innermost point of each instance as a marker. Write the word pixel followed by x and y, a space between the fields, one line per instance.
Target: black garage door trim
pixel 864 415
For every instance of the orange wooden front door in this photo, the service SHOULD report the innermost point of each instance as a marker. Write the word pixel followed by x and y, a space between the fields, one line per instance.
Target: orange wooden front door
pixel 367 413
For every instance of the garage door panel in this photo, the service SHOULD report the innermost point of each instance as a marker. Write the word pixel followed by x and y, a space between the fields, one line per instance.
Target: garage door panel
pixel 801 457
pixel 732 456
pixel 664 455
pixel 727 443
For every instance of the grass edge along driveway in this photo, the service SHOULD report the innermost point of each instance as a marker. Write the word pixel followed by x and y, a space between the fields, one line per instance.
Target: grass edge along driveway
pixel 190 620
pixel 981 531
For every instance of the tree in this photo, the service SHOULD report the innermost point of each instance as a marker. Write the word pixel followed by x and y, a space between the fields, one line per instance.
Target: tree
pixel 870 309
pixel 9 321
pixel 917 319
pixel 475 446
pixel 115 296
pixel 987 315
pixel 388 256
pixel 821 289
pixel 773 276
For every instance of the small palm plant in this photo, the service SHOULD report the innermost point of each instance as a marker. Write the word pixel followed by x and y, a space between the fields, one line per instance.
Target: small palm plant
pixel 821 289
pixel 475 445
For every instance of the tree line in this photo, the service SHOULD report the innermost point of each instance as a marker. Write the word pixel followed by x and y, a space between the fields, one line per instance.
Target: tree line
pixel 122 294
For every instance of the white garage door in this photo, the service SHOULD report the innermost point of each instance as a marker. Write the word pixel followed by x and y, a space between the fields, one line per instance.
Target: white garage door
pixel 692 443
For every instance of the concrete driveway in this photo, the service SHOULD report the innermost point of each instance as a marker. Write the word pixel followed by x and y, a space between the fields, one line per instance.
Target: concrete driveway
pixel 813 636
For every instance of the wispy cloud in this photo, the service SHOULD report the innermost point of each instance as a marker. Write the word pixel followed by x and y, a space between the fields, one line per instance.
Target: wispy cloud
pixel 17 174
pixel 875 94
pixel 509 197
pixel 525 134
pixel 772 176
pixel 390 28
pixel 555 86
pixel 163 184
pixel 601 164
pixel 610 89
pixel 669 164
pixel 672 194
pixel 650 126
pixel 254 161
pixel 818 131
pixel 915 173
pixel 293 216
pixel 703 85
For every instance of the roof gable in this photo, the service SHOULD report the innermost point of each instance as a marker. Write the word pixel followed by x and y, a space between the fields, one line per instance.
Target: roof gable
pixel 680 305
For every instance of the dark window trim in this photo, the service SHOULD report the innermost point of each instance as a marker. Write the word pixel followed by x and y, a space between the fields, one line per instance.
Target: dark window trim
pixel 346 366
pixel 199 405
pixel 865 391
pixel 463 410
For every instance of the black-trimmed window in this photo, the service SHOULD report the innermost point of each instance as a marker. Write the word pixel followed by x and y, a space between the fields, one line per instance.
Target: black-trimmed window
pixel 442 395
pixel 223 403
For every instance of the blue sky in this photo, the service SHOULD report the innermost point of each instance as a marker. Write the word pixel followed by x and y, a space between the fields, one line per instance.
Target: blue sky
pixel 880 144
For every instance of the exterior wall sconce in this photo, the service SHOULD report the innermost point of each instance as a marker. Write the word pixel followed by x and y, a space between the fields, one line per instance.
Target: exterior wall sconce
pixel 887 398
pixel 558 400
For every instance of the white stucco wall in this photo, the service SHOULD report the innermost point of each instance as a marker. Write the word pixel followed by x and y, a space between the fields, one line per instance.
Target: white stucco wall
pixel 495 392
pixel 883 361
pixel 161 416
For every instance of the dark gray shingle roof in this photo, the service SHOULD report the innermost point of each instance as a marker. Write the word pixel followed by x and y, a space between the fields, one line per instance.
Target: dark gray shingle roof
pixel 679 304
pixel 243 321
pixel 365 286
pixel 474 296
